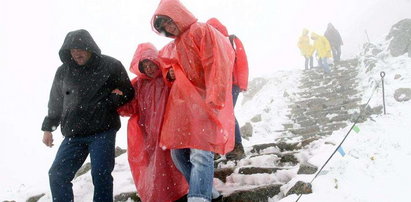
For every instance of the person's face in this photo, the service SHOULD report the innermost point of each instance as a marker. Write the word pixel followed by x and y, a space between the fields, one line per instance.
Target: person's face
pixel 81 57
pixel 150 68
pixel 171 27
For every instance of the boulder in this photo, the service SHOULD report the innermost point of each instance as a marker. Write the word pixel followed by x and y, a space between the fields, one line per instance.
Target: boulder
pixel 402 94
pixel 35 198
pixel 300 188
pixel 246 130
pixel 123 197
pixel 260 194
pixel 400 36
pixel 119 151
pixel 307 169
pixel 256 118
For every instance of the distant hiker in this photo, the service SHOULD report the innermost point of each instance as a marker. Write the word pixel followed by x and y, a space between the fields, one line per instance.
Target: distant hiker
pixel 154 173
pixel 240 81
pixel 87 89
pixel 198 119
pixel 306 48
pixel 335 40
pixel 323 50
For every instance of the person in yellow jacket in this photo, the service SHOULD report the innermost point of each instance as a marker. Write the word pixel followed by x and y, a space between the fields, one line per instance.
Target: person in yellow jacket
pixel 306 48
pixel 323 49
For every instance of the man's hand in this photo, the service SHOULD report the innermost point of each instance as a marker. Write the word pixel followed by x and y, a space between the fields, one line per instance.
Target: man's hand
pixel 117 91
pixel 48 138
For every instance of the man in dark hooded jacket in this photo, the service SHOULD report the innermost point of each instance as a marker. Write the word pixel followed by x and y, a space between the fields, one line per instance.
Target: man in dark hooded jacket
pixel 86 92
pixel 335 40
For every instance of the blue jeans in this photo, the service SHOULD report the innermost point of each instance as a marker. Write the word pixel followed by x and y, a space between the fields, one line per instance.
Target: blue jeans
pixel 197 166
pixel 235 92
pixel 71 155
pixel 308 59
pixel 324 64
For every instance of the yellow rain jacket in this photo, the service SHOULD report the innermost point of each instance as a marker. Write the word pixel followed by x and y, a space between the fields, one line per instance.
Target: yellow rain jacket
pixel 304 45
pixel 321 45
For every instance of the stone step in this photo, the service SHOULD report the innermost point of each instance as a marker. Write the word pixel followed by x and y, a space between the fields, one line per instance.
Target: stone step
pixel 223 173
pixel 327 93
pixel 257 170
pixel 301 131
pixel 260 194
pixel 334 126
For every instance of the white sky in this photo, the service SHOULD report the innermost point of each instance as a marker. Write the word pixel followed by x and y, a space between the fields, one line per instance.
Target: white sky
pixel 32 32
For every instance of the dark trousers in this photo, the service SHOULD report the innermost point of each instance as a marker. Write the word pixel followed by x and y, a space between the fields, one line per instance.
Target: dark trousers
pixel 72 154
pixel 336 50
pixel 236 92
pixel 308 60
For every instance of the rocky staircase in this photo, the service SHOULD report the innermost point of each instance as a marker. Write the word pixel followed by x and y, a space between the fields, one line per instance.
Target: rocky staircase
pixel 322 105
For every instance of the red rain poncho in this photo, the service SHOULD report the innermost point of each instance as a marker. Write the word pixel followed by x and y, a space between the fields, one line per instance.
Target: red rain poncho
pixel 154 173
pixel 240 70
pixel 199 112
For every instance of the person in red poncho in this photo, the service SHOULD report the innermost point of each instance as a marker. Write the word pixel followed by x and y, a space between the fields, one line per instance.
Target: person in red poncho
pixel 198 120
pixel 240 81
pixel 154 173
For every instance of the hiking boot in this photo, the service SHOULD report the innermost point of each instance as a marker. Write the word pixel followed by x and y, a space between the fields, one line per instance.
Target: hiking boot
pixel 237 153
pixel 218 199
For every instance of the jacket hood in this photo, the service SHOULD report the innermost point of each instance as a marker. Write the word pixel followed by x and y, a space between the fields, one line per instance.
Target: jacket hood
pixel 305 32
pixel 79 39
pixel 144 51
pixel 217 25
pixel 313 34
pixel 177 12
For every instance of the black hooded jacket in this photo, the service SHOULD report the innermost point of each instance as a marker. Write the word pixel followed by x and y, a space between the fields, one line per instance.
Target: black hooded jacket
pixel 333 36
pixel 80 98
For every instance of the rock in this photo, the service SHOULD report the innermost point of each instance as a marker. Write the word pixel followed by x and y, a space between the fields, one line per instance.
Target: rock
pixel 84 169
pixel 222 173
pixel 307 169
pixel 123 197
pixel 400 36
pixel 119 151
pixel 35 198
pixel 289 158
pixel 397 76
pixel 87 166
pixel 259 194
pixel 286 94
pixel 308 141
pixel 254 87
pixel 257 170
pixel 283 146
pixel 247 130
pixel 369 67
pixel 300 188
pixel 256 118
pixel 402 94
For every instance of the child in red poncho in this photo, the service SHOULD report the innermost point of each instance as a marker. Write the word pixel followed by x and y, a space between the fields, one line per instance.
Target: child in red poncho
pixel 154 173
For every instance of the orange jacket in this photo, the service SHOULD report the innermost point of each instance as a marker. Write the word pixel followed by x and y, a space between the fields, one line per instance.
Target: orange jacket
pixel 155 176
pixel 240 69
pixel 199 112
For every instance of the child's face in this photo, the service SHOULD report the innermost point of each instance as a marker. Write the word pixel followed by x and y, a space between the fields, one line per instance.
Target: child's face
pixel 150 68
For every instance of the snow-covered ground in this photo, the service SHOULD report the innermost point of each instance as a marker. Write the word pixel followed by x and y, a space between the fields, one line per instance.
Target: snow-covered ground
pixel 376 166
pixel 377 163
pixel 34 31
